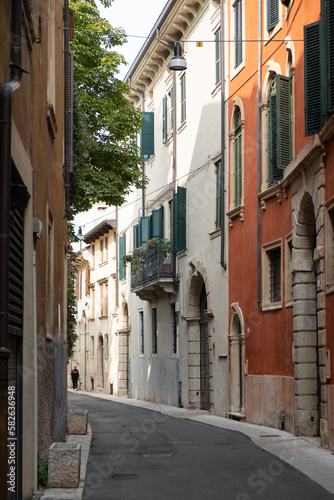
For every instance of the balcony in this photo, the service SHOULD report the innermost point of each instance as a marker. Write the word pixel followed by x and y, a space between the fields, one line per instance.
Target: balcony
pixel 152 270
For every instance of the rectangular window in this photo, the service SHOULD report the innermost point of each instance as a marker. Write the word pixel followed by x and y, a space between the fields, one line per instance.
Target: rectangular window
pixel 106 346
pixel 87 280
pixel 218 195
pixel 122 252
pixel 157 223
pixel 171 100
pixel 272 276
pixel 154 331
pixel 183 98
pixel 218 56
pixel 92 350
pixel 164 119
pixel 93 255
pixel 238 33
pixel 141 331
pixel 93 303
pixel 174 327
pixel 104 299
pixel 105 250
pixel 272 14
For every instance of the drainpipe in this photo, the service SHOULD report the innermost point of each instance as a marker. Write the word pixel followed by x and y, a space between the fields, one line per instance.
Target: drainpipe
pixel 68 108
pixel 222 139
pixel 6 94
pixel 259 86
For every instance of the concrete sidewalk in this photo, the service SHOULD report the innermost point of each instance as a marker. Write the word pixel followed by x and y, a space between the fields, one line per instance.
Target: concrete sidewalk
pixel 304 454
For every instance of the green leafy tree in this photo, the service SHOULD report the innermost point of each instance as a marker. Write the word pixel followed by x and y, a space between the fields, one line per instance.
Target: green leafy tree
pixel 106 162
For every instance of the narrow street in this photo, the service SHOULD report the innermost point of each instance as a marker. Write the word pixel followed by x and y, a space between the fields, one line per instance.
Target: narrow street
pixel 146 455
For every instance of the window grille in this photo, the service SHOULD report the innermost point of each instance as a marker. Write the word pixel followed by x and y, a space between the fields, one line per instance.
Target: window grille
pixel 275 274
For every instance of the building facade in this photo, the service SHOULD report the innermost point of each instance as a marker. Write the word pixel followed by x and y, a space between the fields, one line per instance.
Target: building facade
pixel 280 199
pixel 33 236
pixel 98 353
pixel 173 294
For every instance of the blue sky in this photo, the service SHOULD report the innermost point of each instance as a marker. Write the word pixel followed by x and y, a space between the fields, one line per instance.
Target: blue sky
pixel 137 17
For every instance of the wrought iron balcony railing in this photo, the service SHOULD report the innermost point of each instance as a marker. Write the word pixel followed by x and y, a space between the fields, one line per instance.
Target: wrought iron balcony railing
pixel 150 265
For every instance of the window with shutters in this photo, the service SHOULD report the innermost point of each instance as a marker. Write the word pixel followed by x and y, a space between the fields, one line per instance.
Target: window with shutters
pixel 237 28
pixel 236 134
pixel 272 18
pixel 180 238
pixel 167 116
pixel 183 98
pixel 218 57
pixel 319 69
pixel 147 135
pixel 272 275
pixel 121 253
pixel 237 147
pixel 218 220
pixel 279 148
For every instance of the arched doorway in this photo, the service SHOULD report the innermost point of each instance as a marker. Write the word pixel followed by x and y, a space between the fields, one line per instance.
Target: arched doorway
pixel 237 363
pixel 124 356
pixel 306 342
pixel 200 387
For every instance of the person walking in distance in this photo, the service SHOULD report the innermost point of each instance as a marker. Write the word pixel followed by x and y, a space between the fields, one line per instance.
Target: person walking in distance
pixel 75 378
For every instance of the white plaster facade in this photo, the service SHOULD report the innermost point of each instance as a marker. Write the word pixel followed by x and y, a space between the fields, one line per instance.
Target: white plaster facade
pixel 187 158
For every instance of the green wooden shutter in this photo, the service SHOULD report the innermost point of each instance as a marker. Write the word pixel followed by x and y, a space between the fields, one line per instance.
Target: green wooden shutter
pixel 164 118
pixel 237 168
pixel 136 236
pixel 238 33
pixel 272 14
pixel 275 174
pixel 147 134
pixel 121 270
pixel 327 18
pixel 145 230
pixel 283 121
pixel 180 219
pixel 157 223
pixel 314 119
pixel 218 195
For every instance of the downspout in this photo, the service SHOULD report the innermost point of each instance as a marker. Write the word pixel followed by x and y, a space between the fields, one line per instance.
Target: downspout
pixel 6 95
pixel 68 96
pixel 222 138
pixel 259 86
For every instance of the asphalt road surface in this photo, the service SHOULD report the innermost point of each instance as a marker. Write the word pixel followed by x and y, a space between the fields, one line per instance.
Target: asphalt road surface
pixel 145 455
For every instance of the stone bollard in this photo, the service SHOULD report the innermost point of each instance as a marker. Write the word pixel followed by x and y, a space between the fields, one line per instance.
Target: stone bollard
pixel 77 422
pixel 64 465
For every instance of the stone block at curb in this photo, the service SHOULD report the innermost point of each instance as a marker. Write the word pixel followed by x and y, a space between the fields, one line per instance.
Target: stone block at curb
pixel 64 465
pixel 77 422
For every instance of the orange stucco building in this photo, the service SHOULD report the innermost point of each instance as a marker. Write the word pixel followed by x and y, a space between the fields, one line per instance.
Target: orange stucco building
pixel 280 212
